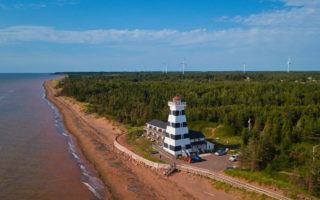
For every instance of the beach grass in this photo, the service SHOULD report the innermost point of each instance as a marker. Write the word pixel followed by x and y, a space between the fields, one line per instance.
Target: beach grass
pixel 55 83
pixel 279 180
pixel 242 193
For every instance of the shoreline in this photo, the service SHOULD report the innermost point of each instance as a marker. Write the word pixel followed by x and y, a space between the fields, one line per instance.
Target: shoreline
pixel 89 176
pixel 122 178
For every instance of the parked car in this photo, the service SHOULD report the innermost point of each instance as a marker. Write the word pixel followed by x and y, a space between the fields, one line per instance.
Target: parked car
pixel 196 159
pixel 233 158
pixel 220 152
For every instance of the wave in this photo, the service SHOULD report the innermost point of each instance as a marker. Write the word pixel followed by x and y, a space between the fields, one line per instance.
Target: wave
pixel 64 134
pixel 94 184
pixel 92 190
pixel 75 156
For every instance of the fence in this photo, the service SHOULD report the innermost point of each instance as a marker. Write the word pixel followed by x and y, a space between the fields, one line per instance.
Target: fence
pixel 229 180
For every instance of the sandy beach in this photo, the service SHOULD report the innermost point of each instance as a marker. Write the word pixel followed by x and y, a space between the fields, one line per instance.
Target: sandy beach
pixel 122 178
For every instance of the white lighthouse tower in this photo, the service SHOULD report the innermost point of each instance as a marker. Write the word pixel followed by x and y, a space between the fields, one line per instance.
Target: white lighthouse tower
pixel 177 139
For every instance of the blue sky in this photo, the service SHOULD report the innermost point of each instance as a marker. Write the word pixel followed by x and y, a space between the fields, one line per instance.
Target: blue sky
pixel 135 35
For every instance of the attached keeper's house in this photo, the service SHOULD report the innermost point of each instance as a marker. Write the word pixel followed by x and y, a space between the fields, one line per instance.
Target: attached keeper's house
pixel 174 135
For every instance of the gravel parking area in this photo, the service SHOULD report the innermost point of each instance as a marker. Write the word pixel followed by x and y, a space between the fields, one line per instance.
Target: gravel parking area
pixel 214 162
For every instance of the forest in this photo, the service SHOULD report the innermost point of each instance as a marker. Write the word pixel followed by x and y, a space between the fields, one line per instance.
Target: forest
pixel 283 109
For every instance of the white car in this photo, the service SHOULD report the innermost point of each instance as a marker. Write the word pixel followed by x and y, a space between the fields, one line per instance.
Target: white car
pixel 233 158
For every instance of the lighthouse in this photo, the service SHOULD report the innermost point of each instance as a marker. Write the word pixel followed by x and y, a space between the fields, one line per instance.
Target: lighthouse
pixel 177 138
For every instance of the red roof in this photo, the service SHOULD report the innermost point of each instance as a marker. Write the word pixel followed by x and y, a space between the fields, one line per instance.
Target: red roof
pixel 176 98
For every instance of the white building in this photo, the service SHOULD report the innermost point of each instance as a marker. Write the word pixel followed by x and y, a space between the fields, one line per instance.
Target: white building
pixel 174 135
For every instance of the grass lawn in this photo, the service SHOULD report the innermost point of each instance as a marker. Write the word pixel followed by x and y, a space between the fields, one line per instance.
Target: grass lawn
pixel 241 193
pixel 276 179
pixel 224 135
pixel 141 145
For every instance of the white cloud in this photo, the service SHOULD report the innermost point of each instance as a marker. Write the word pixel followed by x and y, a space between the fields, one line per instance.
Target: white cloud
pixel 314 3
pixel 297 14
pixel 260 38
pixel 291 23
pixel 48 34
pixel 22 5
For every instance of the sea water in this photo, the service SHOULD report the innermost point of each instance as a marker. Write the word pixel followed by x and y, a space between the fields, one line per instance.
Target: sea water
pixel 38 157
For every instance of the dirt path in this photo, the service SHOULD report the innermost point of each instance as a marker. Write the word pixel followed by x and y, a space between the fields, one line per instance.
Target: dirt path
pixel 123 179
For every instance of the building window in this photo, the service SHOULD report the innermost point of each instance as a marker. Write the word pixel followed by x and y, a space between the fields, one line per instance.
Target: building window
pixel 188 146
pixel 167 134
pixel 183 112
pixel 165 145
pixel 184 124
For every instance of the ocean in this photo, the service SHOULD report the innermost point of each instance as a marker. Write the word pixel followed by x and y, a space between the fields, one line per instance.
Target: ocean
pixel 38 157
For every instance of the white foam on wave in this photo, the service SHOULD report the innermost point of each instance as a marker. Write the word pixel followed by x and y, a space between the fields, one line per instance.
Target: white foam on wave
pixel 71 147
pixel 92 190
pixel 85 174
pixel 75 156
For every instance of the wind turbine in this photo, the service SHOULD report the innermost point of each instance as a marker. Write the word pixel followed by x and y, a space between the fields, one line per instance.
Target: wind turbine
pixel 163 68
pixel 183 65
pixel 166 68
pixel 289 62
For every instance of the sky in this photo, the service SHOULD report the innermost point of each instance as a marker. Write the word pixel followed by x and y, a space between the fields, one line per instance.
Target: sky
pixel 147 35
